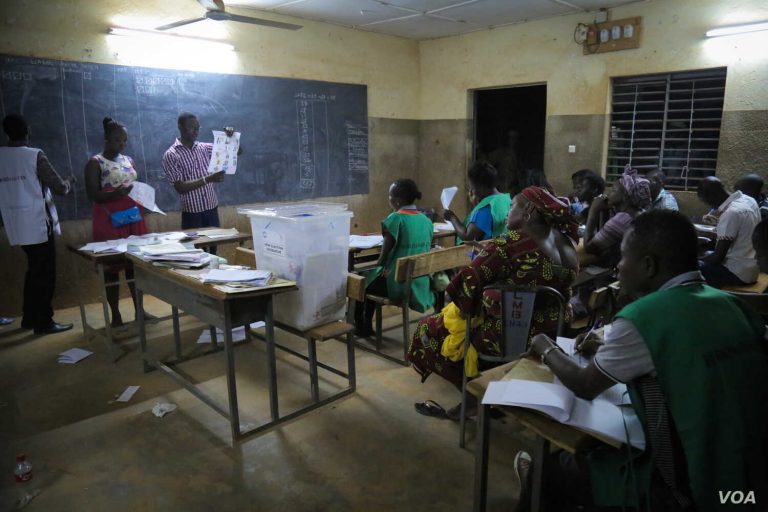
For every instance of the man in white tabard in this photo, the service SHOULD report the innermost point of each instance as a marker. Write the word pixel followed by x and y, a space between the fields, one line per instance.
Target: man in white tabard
pixel 29 215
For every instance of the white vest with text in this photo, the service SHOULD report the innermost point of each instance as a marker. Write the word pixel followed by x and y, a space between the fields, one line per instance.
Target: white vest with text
pixel 22 202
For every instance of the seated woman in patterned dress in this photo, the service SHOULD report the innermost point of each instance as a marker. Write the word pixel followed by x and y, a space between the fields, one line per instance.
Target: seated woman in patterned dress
pixel 538 250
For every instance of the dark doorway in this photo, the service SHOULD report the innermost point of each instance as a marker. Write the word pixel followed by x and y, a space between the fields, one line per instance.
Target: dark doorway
pixel 509 131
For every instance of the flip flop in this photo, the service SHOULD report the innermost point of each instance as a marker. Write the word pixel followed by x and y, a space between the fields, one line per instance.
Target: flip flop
pixel 431 408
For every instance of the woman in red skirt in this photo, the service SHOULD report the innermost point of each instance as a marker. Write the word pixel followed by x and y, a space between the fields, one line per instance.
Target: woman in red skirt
pixel 109 178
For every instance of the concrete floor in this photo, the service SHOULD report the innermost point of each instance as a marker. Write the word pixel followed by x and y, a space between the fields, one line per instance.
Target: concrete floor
pixel 369 451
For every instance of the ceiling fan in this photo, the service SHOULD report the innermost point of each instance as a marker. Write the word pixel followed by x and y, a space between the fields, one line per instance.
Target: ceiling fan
pixel 215 10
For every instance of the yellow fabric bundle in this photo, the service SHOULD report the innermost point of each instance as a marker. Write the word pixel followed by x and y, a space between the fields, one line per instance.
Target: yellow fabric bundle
pixel 453 346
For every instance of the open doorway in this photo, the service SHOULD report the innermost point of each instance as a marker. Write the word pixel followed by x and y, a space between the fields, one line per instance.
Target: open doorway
pixel 509 131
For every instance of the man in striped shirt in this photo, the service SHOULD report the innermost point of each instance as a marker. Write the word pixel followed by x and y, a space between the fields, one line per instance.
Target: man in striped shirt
pixel 186 166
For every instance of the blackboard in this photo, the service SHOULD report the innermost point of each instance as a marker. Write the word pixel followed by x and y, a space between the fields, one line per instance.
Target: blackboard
pixel 301 139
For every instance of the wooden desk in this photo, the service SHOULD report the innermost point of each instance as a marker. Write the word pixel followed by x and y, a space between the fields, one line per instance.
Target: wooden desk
pixel 366 257
pixel 218 309
pixel 97 263
pixel 547 430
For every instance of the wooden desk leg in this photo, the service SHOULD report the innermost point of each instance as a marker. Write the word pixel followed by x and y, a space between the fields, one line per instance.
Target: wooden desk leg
pixel 313 381
pixel 176 331
pixel 540 453
pixel 214 339
pixel 229 353
pixel 269 332
pixel 481 458
pixel 351 375
pixel 142 328
pixel 105 307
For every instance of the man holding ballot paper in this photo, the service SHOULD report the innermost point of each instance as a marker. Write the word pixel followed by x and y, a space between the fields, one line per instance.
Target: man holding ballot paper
pixel 188 165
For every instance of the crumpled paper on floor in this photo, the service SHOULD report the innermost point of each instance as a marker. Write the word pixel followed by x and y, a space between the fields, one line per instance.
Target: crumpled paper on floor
pixel 162 408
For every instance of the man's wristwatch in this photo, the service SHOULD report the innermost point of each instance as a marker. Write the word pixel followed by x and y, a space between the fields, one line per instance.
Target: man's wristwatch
pixel 546 353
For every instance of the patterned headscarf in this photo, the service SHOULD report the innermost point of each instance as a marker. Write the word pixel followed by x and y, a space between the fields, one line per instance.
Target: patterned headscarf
pixel 556 211
pixel 638 189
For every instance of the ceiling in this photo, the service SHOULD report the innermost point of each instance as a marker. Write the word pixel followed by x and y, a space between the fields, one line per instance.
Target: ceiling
pixel 426 19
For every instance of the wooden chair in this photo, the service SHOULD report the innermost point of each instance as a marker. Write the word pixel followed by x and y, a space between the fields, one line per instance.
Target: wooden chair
pixel 516 313
pixel 758 287
pixel 340 329
pixel 409 268
pixel 245 257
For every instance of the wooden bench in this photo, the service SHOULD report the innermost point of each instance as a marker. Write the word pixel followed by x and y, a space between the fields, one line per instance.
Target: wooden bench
pixel 758 287
pixel 339 329
pixel 409 268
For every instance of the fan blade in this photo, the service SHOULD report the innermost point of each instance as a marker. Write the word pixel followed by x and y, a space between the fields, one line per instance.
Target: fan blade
pixel 180 23
pixel 212 5
pixel 260 21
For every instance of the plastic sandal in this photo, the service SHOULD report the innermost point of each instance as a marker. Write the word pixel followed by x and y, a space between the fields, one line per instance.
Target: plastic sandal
pixel 430 408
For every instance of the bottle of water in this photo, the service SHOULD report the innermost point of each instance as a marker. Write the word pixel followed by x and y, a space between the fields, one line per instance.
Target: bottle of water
pixel 23 474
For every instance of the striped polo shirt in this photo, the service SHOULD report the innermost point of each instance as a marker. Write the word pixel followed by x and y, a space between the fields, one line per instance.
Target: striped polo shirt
pixel 181 163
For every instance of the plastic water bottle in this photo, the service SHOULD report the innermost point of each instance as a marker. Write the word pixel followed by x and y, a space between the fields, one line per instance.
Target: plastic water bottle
pixel 23 474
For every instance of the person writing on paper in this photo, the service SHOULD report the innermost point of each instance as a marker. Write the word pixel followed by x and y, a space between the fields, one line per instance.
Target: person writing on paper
pixel 26 181
pixel 406 232
pixel 694 360
pixel 489 216
pixel 109 177
pixel 186 166
pixel 537 250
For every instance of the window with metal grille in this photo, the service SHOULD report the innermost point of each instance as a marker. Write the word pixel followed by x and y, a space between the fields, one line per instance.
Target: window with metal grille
pixel 670 121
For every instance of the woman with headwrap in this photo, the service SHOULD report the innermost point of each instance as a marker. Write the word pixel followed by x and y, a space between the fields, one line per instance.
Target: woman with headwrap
pixel 538 250
pixel 630 195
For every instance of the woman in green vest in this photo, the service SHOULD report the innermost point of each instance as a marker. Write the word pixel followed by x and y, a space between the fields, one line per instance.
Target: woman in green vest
pixel 488 219
pixel 406 232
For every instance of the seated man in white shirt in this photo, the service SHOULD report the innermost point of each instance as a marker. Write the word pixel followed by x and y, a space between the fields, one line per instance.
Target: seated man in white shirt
pixel 733 260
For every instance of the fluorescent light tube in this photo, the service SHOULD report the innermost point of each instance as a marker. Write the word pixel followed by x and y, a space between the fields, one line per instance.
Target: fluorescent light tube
pixel 165 37
pixel 737 29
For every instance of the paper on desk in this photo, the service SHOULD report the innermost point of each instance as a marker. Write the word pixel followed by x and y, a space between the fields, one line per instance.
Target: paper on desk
pixel 447 195
pixel 238 334
pixel 443 226
pixel 73 355
pixel 127 394
pixel 166 248
pixel 365 241
pixel 224 156
pixel 218 275
pixel 144 195
pixel 218 232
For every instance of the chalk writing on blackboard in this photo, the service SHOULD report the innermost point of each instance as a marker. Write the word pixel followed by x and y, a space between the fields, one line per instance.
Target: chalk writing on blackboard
pixel 357 148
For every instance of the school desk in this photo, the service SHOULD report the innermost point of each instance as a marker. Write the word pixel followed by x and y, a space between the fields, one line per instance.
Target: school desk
pixel 548 432
pixel 365 257
pixel 219 309
pixel 97 262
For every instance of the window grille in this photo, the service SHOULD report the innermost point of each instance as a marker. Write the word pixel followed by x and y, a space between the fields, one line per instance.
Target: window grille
pixel 670 121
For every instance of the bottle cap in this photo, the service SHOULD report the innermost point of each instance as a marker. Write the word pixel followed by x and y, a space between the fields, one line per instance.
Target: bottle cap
pixel 20 457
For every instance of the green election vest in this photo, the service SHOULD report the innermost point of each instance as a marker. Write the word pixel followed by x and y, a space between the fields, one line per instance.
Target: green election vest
pixel 711 361
pixel 413 233
pixel 500 204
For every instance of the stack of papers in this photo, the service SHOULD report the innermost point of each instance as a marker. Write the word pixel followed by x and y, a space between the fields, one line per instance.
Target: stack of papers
pixel 176 254
pixel 251 278
pixel 365 241
pixel 73 355
pixel 218 232
pixel 121 244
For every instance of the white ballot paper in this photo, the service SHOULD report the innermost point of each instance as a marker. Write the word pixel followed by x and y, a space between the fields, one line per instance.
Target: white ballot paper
pixel 144 195
pixel 224 156
pixel 447 195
